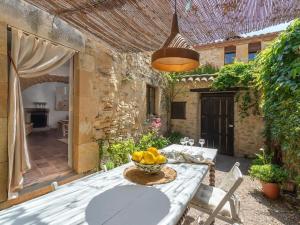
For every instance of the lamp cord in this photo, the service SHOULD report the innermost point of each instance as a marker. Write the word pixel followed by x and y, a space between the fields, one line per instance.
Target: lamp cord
pixel 175 6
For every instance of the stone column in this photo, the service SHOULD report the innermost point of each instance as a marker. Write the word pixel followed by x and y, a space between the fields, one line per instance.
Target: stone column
pixel 3 111
pixel 85 109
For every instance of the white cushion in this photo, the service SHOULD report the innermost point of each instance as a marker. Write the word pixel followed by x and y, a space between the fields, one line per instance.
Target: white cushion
pixel 208 197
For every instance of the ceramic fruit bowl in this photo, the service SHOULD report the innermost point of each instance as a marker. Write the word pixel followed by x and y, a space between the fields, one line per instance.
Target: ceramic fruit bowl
pixel 150 161
pixel 149 168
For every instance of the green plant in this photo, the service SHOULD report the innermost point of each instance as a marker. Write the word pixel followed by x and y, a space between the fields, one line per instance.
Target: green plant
pixel 109 165
pixel 297 179
pixel 204 69
pixel 118 152
pixel 152 139
pixel 268 173
pixel 240 75
pixel 262 158
pixel 278 77
pixel 175 137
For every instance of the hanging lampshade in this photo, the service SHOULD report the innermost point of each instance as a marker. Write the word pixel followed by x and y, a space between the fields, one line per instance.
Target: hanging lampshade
pixel 175 55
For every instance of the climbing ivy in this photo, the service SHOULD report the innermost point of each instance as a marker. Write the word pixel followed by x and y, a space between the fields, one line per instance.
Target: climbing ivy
pixel 278 77
pixel 240 75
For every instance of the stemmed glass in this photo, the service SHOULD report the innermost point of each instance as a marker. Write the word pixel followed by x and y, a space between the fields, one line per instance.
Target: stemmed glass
pixel 184 142
pixel 201 142
pixel 191 142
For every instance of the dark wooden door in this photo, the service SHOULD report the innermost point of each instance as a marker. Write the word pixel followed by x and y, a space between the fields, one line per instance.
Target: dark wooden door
pixel 217 121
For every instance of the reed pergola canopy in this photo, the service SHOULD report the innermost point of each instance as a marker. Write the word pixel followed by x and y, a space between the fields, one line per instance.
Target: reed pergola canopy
pixel 143 25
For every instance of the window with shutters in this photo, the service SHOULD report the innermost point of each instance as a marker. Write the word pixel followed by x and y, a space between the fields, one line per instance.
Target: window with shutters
pixel 253 50
pixel 151 100
pixel 229 54
pixel 178 110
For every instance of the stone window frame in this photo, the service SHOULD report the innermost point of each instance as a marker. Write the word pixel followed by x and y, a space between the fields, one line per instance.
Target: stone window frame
pixel 254 48
pixel 229 50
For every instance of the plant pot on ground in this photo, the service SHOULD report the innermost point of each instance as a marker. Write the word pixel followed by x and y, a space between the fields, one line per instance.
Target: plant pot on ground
pixel 270 176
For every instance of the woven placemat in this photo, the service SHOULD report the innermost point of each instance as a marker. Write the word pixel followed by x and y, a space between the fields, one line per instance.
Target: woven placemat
pixel 137 176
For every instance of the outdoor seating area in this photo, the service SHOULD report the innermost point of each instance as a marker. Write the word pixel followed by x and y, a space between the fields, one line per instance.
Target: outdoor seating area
pixel 148 112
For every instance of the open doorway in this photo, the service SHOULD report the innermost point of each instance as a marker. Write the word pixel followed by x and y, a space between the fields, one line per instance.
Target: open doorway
pixel 47 101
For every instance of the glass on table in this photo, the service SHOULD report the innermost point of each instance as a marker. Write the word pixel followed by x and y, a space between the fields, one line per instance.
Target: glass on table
pixel 191 142
pixel 182 141
pixel 201 142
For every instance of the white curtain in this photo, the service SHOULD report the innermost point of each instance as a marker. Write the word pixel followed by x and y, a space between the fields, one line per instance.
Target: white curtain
pixel 30 57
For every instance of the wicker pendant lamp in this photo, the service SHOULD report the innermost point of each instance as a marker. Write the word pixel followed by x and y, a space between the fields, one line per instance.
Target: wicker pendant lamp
pixel 175 55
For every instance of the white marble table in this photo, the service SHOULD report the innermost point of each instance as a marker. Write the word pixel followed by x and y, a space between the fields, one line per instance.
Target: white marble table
pixel 107 198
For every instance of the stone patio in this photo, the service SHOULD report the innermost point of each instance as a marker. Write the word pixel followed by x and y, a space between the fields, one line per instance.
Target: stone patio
pixel 255 208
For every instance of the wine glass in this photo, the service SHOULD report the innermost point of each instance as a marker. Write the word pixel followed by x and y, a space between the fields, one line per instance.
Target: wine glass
pixel 201 142
pixel 191 142
pixel 182 141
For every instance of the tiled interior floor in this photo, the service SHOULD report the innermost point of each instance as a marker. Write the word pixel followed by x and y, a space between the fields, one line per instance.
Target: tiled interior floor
pixel 48 156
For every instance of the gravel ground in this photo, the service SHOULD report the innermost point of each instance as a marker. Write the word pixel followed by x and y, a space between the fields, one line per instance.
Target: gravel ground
pixel 255 208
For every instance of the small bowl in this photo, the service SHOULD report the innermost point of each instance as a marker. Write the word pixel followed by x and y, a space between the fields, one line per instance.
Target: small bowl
pixel 151 168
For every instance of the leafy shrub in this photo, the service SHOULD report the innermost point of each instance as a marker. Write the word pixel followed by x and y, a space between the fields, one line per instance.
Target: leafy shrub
pixel 278 77
pixel 175 137
pixel 238 74
pixel 118 152
pixel 109 165
pixel 297 179
pixel 152 139
pixel 262 158
pixel 268 173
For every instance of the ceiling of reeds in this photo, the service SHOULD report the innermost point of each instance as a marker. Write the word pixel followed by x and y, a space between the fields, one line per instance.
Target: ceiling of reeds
pixel 143 25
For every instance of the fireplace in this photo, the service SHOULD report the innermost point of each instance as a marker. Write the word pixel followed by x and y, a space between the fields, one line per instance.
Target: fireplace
pixel 39 119
pixel 37 116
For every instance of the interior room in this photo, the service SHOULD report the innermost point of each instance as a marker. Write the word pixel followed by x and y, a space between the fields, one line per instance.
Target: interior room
pixel 46 113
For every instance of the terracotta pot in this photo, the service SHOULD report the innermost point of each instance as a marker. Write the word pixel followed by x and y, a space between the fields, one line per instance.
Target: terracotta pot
pixel 271 190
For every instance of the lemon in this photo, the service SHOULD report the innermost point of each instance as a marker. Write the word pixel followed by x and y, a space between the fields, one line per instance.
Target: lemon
pixel 153 150
pixel 137 156
pixel 160 159
pixel 148 158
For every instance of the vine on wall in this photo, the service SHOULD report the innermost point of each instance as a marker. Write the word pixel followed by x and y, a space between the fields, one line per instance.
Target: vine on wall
pixel 278 77
pixel 240 75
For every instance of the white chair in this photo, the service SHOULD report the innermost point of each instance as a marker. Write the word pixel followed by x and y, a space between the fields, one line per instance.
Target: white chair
pixel 220 202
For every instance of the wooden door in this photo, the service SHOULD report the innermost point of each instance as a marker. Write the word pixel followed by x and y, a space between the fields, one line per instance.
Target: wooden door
pixel 217 121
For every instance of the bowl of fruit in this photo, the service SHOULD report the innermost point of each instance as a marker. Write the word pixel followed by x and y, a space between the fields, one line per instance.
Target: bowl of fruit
pixel 150 161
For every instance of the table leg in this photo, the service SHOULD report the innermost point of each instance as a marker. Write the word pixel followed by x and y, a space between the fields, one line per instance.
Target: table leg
pixel 212 176
pixel 182 219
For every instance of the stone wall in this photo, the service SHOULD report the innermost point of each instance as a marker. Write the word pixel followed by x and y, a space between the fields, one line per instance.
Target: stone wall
pixel 248 132
pixel 214 53
pixel 112 98
pixel 109 88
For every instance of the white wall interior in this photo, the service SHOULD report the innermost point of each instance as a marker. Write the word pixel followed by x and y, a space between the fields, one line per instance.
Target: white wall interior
pixel 45 92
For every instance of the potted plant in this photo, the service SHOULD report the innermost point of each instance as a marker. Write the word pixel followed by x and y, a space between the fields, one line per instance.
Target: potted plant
pixel 270 176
